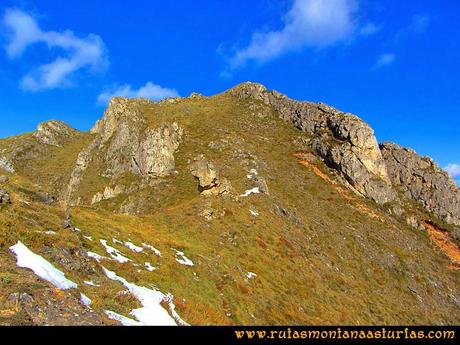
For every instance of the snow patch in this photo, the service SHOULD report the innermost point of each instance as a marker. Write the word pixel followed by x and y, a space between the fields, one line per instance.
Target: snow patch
pixel 50 232
pixel 254 190
pixel 252 174
pixel 152 248
pixel 85 299
pixel 114 253
pixel 96 256
pixel 89 238
pixel 151 313
pixel 41 267
pixel 251 275
pixel 125 321
pixel 182 259
pixel 90 283
pixel 149 267
pixel 254 213
pixel 133 247
pixel 114 240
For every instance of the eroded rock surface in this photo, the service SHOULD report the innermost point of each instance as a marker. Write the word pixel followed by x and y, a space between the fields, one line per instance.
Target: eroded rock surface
pixel 4 197
pixel 6 165
pixel 422 180
pixel 52 307
pixel 210 183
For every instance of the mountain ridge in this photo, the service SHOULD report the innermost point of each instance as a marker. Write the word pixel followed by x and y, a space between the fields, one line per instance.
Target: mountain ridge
pixel 247 177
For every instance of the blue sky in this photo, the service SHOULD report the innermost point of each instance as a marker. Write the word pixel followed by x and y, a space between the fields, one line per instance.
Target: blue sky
pixel 393 63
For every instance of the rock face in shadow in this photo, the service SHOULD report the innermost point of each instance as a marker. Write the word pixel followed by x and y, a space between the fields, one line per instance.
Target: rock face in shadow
pixel 54 133
pixel 346 143
pixel 420 179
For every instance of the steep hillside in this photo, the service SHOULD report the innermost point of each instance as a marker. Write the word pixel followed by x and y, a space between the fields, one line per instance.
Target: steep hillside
pixel 242 208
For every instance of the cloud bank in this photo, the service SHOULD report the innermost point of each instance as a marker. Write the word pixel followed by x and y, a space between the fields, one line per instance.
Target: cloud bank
pixel 309 23
pixel 23 31
pixel 454 170
pixel 149 90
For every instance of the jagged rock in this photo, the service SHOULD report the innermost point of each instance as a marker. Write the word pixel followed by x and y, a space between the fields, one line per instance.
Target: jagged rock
pixel 420 179
pixel 196 95
pixel 345 142
pixel 73 259
pixel 108 193
pixel 261 183
pixel 127 146
pixel 209 181
pixel 6 165
pixel 54 133
pixel 4 197
pixel 4 179
pixel 52 307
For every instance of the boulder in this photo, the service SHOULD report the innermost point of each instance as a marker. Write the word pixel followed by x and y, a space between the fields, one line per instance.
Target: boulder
pixel 422 180
pixel 4 197
pixel 208 176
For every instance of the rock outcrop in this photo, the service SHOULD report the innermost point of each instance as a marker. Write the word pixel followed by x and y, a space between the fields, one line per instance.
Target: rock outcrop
pixel 54 133
pixel 108 193
pixel 6 165
pixel 4 197
pixel 124 144
pixel 346 143
pixel 52 307
pixel 210 183
pixel 420 179
pixel 131 148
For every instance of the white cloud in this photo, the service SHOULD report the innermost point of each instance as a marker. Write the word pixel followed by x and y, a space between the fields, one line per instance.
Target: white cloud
pixel 419 23
pixel 370 29
pixel 454 170
pixel 149 90
pixel 309 23
pixel 384 60
pixel 78 53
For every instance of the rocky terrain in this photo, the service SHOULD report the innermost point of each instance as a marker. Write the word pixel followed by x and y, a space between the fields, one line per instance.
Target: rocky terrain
pixel 246 207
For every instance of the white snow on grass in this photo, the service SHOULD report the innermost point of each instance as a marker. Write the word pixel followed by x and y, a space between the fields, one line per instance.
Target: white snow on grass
pixel 96 256
pixel 149 267
pixel 152 248
pixel 41 267
pixel 76 229
pixel 85 299
pixel 254 213
pixel 114 253
pixel 89 238
pixel 182 259
pixel 252 174
pixel 133 247
pixel 151 313
pixel 50 232
pixel 125 321
pixel 254 190
pixel 90 283
pixel 114 240
pixel 251 275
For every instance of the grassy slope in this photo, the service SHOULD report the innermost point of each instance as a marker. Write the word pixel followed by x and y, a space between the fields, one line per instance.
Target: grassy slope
pixel 349 262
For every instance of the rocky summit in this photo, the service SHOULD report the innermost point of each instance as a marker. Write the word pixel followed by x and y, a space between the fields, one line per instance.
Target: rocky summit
pixel 245 208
